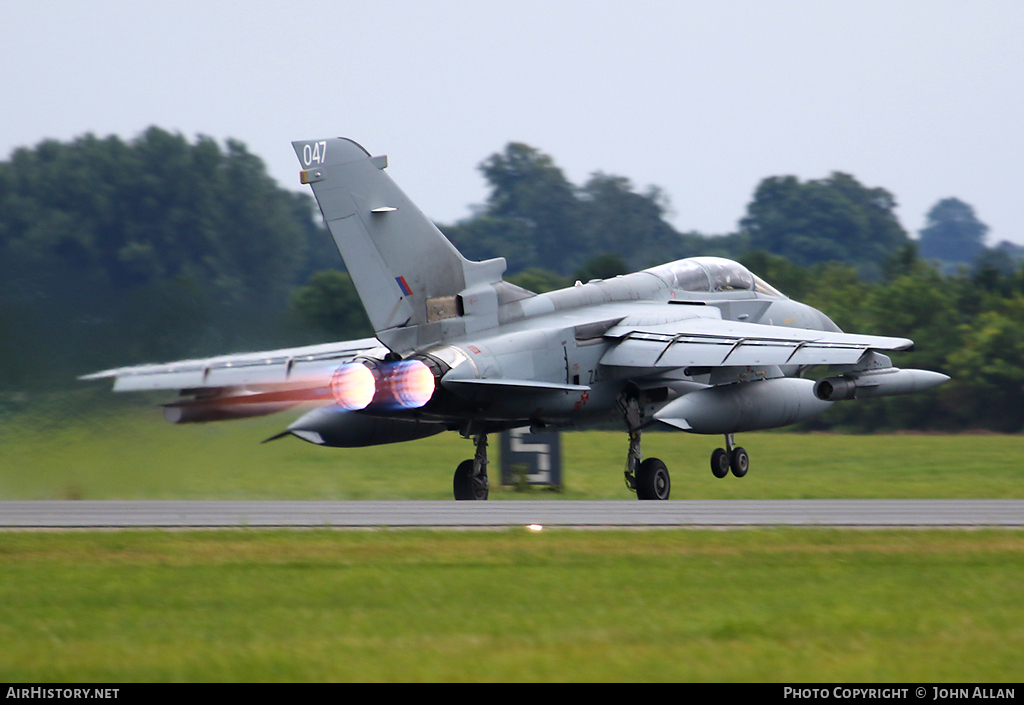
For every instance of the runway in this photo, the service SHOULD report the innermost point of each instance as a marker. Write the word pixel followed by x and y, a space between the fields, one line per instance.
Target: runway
pixel 552 513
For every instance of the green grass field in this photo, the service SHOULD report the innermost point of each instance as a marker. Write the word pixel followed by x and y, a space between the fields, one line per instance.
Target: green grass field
pixel 129 452
pixel 803 605
pixel 807 605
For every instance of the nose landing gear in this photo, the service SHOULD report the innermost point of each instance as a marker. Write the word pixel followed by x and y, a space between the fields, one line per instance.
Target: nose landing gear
pixel 649 478
pixel 652 480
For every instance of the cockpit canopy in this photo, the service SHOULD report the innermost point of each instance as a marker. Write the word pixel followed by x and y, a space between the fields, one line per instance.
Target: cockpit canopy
pixel 711 274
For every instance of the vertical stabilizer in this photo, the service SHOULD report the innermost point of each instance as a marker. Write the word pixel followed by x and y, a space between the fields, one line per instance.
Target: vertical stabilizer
pixel 415 286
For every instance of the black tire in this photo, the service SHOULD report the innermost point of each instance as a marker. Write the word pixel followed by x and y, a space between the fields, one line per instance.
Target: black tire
pixel 720 463
pixel 740 462
pixel 466 486
pixel 652 480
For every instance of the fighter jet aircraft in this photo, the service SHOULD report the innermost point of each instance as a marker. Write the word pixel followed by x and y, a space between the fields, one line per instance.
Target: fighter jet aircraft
pixel 699 344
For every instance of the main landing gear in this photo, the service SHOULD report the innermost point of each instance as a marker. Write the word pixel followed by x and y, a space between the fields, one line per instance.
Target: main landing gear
pixel 649 478
pixel 731 457
pixel 471 476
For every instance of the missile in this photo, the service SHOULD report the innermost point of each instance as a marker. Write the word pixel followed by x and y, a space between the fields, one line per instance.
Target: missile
pixel 744 406
pixel 877 383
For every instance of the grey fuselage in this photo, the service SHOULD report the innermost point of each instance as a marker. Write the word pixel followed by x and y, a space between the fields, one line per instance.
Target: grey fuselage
pixel 561 337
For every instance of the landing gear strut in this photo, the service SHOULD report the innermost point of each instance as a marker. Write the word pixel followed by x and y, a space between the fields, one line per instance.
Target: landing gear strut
pixel 649 478
pixel 732 457
pixel 470 480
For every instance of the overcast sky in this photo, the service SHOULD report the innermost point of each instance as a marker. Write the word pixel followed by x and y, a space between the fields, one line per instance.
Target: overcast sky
pixel 703 99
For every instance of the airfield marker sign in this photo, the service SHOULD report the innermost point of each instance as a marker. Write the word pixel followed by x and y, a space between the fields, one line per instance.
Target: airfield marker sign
pixel 535 458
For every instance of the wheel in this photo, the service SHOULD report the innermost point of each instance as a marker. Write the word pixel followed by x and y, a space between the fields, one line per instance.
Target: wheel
pixel 467 486
pixel 720 463
pixel 740 462
pixel 652 480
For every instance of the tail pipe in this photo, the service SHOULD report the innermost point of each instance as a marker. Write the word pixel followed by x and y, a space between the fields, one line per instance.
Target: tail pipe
pixel 401 384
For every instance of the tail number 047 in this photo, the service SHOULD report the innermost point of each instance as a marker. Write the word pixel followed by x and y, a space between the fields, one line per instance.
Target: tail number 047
pixel 314 153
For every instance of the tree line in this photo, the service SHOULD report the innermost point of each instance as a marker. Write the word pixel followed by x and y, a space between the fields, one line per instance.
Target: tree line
pixel 118 252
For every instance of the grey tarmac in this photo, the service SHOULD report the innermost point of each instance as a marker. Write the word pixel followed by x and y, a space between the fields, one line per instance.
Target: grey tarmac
pixel 864 513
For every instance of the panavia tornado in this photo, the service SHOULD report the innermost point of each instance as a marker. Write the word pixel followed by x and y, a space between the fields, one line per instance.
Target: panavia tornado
pixel 700 344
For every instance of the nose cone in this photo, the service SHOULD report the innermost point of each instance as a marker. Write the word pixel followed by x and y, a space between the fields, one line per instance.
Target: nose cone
pixel 827 323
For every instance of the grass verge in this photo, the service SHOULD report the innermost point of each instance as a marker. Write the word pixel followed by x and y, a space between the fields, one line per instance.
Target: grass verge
pixel 127 452
pixel 810 605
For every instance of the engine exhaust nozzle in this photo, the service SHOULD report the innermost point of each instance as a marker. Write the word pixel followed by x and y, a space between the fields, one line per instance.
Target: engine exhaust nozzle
pixel 406 384
pixel 353 386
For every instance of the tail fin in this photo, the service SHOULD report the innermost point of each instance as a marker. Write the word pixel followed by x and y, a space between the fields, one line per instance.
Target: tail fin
pixel 415 286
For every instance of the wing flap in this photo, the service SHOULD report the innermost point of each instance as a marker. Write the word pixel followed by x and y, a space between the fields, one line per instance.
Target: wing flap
pixel 708 342
pixel 647 352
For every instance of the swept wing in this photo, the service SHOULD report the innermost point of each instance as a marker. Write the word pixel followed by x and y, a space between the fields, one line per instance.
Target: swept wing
pixel 713 342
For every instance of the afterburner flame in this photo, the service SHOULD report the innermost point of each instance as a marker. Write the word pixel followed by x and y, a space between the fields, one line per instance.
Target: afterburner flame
pixel 412 384
pixel 353 386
